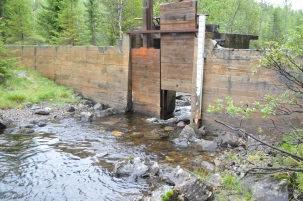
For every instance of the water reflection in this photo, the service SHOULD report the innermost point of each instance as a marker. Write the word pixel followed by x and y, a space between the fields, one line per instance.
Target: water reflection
pixel 73 161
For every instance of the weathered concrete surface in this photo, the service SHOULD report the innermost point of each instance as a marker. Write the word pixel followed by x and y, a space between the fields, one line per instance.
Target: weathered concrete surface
pixel 100 73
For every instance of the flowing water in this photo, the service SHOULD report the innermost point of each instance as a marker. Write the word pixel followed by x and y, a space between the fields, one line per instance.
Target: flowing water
pixel 70 160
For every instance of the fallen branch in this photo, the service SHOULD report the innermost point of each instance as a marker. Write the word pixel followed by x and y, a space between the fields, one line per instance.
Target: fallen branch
pixel 296 157
pixel 268 170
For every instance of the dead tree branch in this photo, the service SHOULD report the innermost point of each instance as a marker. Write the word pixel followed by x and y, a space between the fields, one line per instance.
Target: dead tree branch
pixel 269 170
pixel 296 157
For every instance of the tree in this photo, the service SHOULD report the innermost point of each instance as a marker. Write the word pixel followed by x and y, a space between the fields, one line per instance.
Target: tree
pixel 48 20
pixel 18 21
pixel 71 22
pixel 119 16
pixel 93 20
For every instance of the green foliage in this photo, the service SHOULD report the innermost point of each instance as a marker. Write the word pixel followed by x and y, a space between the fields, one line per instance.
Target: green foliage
pixel 168 195
pixel 292 143
pixel 18 18
pixel 48 20
pixel 231 185
pixel 267 108
pixel 119 16
pixel 31 88
pixel 93 9
pixel 71 23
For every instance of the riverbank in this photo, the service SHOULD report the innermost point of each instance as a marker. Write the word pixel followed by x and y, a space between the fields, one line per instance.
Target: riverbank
pixel 137 151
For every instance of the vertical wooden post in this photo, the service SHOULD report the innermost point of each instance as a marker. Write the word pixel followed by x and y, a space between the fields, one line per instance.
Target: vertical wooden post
pixel 198 73
pixel 147 22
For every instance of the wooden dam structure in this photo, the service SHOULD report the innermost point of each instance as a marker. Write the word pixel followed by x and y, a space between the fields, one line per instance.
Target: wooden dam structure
pixel 175 52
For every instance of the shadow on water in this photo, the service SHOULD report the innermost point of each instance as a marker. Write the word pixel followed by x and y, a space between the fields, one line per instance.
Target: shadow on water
pixel 71 160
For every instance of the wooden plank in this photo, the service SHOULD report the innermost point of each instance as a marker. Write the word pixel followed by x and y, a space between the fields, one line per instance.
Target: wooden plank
pixel 146 81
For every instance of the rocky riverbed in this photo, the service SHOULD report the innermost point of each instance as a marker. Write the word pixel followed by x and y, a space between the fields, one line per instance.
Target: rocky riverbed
pixel 87 151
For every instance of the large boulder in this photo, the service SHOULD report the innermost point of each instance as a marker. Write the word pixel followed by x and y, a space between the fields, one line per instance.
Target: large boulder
pixel 188 186
pixel 228 139
pixel 186 137
pixel 206 145
pixel 136 167
pixel 267 189
pixel 194 190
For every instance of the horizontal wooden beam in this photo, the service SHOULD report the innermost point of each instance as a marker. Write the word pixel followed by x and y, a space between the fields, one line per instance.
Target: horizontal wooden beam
pixel 162 31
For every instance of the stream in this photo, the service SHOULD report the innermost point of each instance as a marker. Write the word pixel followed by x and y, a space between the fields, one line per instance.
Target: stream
pixel 72 160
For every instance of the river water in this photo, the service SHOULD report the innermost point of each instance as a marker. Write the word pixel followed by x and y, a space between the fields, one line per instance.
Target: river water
pixel 70 160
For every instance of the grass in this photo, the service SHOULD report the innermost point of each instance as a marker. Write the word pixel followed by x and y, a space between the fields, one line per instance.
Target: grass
pixel 231 185
pixel 17 91
pixel 202 174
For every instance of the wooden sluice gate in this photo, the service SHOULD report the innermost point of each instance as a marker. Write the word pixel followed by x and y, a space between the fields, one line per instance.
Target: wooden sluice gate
pixel 164 62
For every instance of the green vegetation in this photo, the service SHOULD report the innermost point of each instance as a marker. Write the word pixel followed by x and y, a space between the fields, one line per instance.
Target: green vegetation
pixel 201 173
pixel 26 86
pixel 292 143
pixel 231 186
pixel 168 195
pixel 102 22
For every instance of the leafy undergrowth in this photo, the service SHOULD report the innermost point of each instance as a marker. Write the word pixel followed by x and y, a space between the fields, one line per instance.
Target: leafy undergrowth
pixel 232 189
pixel 292 143
pixel 25 86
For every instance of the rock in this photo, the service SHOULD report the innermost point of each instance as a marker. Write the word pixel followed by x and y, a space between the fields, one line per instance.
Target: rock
pixel 45 111
pixel 175 176
pixel 168 128
pixel 41 124
pixel 201 132
pixel 206 145
pixel 98 106
pixel 117 133
pixel 86 116
pixel 89 103
pixel 105 113
pixel 157 194
pixel 21 74
pixel 171 120
pixel 181 124
pixel 131 167
pixel 200 163
pixel 230 139
pixel 194 190
pixel 164 135
pixel 267 189
pixel 71 109
pixel 28 126
pixel 3 124
pixel 136 135
pixel 181 142
pixel 215 180
pixel 35 107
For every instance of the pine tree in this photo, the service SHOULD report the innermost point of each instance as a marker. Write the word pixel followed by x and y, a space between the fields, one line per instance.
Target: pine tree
pixel 18 15
pixel 71 22
pixel 93 20
pixel 48 20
